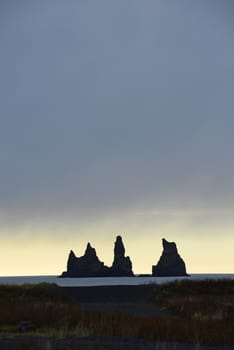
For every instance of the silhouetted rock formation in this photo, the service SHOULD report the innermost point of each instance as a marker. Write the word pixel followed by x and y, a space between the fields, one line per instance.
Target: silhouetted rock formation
pixel 170 262
pixel 89 265
pixel 122 265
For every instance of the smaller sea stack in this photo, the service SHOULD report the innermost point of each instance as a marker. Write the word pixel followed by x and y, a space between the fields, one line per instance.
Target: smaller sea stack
pixel 170 262
pixel 122 265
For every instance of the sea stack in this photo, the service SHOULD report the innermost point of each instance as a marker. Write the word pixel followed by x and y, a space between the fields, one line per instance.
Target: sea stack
pixel 170 262
pixel 122 265
pixel 87 265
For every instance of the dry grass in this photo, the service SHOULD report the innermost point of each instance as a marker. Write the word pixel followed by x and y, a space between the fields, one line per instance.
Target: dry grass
pixel 206 306
pixel 198 313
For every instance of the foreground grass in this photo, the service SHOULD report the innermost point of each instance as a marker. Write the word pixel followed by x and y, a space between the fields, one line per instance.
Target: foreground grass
pixel 51 314
pixel 197 312
pixel 206 307
pixel 203 300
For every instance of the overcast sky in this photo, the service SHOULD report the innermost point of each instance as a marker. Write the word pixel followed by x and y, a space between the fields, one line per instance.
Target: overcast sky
pixel 116 117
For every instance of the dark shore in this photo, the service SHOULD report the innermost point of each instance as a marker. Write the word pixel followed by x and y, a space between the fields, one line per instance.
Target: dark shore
pixel 124 293
pixel 132 300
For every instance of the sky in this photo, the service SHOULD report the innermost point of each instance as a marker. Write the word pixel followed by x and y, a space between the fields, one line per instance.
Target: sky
pixel 116 117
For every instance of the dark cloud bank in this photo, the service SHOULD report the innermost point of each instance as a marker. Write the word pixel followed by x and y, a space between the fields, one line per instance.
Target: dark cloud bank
pixel 109 105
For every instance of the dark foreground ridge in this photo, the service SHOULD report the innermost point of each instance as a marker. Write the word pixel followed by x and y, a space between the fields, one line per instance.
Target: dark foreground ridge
pixel 89 264
pixel 170 262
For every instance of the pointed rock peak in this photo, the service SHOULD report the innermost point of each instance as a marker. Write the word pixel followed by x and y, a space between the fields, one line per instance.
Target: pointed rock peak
pixel 72 254
pixel 90 250
pixel 119 247
pixel 169 247
pixel 71 259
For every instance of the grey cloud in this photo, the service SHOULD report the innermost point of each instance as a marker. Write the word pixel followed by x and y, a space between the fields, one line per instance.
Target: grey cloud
pixel 108 104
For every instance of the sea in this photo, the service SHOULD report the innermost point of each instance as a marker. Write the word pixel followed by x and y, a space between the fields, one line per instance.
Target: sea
pixel 105 281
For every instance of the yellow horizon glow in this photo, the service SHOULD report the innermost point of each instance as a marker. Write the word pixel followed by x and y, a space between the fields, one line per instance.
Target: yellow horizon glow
pixel 46 251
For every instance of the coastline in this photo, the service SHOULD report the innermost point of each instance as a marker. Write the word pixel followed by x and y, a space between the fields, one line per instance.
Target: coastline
pixel 106 281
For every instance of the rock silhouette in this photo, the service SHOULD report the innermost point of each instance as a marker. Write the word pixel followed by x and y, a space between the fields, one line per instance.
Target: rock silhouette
pixel 122 265
pixel 89 264
pixel 170 262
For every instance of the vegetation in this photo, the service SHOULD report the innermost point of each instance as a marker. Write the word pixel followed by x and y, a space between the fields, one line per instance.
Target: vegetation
pixel 49 312
pixel 196 312
pixel 205 308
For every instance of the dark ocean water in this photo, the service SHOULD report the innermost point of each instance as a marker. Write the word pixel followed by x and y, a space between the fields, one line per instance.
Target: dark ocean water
pixel 106 281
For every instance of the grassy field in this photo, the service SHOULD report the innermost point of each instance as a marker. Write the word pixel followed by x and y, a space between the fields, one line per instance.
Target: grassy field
pixel 195 312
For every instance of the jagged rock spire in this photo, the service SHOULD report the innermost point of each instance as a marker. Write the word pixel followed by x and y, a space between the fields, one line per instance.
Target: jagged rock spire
pixel 119 250
pixel 122 266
